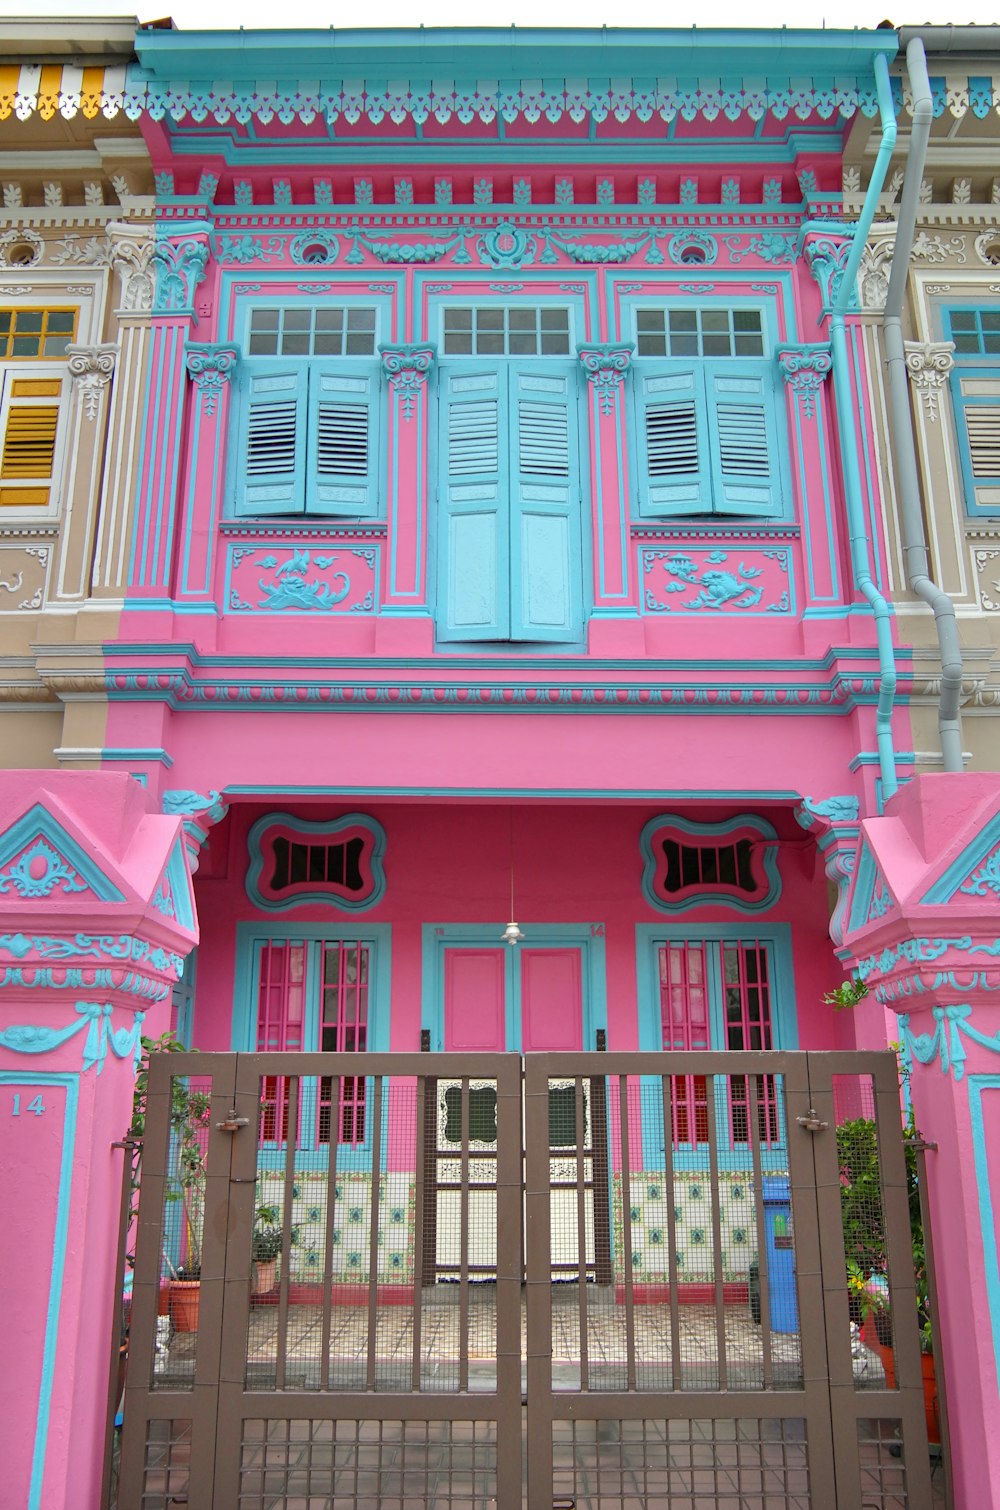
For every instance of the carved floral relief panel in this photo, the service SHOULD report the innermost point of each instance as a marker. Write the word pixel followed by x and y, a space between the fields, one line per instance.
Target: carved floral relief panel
pixel 302 578
pixel 723 578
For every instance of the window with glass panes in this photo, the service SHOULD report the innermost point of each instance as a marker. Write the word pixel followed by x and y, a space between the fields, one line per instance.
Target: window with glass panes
pixel 706 412
pixel 516 330
pixel 314 995
pixel 710 988
pixel 975 389
pixel 31 401
pixel 307 413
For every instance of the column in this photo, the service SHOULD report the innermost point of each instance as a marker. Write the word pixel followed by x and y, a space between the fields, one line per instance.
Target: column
pixel 90 371
pixel 210 368
pixel 405 572
pixel 805 369
pixel 97 916
pixel 922 931
pixel 605 366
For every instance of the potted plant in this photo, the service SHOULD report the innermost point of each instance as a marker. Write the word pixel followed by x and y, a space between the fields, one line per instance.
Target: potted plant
pixel 265 1249
pixel 865 1251
pixel 189 1123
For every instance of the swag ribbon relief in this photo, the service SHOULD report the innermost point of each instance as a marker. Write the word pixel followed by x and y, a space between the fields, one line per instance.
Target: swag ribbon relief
pixel 95 1021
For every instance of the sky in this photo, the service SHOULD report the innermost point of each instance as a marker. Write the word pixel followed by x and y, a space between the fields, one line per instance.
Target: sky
pixel 194 15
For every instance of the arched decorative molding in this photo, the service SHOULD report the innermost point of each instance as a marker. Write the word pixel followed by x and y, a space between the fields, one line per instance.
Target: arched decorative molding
pixel 732 864
pixel 296 863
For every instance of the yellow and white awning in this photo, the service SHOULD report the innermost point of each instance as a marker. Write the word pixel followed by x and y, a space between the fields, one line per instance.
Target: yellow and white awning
pixel 50 89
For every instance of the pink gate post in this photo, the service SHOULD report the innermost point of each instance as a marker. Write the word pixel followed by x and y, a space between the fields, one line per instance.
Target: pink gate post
pixel 96 918
pixel 923 930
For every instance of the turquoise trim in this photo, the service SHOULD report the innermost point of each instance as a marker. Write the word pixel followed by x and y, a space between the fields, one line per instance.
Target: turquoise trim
pixel 71 1085
pixel 978 1084
pixel 951 1026
pixel 70 870
pixel 250 937
pixel 593 974
pixel 153 753
pixel 777 939
pixel 321 830
pixel 181 895
pixel 657 794
pixel 710 831
pixel 978 853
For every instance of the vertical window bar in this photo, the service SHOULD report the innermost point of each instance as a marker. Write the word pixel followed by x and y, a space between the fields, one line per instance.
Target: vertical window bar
pixel 280 1008
pixel 684 1015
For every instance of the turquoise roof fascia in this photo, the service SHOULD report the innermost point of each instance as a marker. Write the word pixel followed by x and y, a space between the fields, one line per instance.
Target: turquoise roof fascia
pixel 513 52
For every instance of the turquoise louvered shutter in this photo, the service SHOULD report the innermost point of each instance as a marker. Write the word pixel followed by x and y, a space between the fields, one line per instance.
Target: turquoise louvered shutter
pixel 976 395
pixel 271 453
pixel 545 591
pixel 742 438
pixel 474 560
pixel 344 456
pixel 673 449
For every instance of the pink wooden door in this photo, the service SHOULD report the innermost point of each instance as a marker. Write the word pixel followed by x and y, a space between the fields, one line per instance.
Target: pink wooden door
pixel 551 1000
pixel 475 1016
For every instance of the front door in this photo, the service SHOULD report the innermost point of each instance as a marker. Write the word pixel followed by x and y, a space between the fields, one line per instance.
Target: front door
pixel 533 998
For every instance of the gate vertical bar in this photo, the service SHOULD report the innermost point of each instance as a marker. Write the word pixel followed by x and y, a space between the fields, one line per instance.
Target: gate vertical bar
pixel 293 1084
pixel 763 1273
pixel 603 1274
pixel 373 1218
pixel 667 1092
pixel 538 1265
pixel 331 1205
pixel 921 1150
pixel 510 1185
pixel 581 1235
pixel 625 1165
pixel 717 1268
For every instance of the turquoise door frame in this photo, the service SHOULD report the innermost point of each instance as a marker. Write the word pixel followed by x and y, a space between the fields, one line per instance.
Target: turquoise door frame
pixel 588 937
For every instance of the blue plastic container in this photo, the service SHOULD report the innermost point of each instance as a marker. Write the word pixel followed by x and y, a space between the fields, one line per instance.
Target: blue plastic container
pixel 783 1307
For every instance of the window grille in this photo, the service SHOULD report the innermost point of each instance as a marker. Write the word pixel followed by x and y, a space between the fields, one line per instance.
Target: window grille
pixel 28 458
pixel 34 333
pixel 975 332
pixel 704 865
pixel 312 331
pixel 699 332
pixel 498 330
pixel 344 1030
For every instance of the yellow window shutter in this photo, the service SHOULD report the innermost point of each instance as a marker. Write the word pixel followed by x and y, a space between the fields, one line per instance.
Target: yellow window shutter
pixel 29 442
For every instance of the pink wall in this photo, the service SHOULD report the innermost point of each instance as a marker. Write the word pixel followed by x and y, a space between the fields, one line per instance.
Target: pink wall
pixel 448 865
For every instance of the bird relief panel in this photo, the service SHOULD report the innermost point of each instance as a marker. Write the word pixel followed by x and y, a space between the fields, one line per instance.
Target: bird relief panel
pixel 716 579
pixel 297 579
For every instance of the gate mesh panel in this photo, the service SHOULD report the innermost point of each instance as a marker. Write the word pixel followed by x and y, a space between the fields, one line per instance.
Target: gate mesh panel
pixel 168 1464
pixel 883 1471
pixel 692 1284
pixel 688 1464
pixel 396 1465
pixel 863 1220
pixel 183 1231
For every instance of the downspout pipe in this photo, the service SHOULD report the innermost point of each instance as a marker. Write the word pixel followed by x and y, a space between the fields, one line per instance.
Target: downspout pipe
pixel 860 543
pixel 914 539
pixel 960 39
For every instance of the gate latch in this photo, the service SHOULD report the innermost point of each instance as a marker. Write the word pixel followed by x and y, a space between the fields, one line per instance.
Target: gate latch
pixel 811 1122
pixel 233 1123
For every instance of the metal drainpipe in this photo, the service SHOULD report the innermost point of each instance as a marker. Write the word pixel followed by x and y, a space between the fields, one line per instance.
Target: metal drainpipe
pixel 905 461
pixel 843 398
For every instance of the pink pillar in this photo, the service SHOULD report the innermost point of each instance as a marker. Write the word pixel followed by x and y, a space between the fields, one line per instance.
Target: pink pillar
pixel 211 369
pixel 405 582
pixel 615 626
pixel 922 927
pixel 96 916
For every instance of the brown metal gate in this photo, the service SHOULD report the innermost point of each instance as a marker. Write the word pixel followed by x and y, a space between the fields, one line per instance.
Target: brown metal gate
pixel 711 1361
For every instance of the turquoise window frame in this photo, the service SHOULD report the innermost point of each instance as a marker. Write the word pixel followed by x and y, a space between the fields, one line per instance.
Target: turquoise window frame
pixel 777 939
pixel 706 366
pixel 283 297
pixel 971 365
pixel 250 938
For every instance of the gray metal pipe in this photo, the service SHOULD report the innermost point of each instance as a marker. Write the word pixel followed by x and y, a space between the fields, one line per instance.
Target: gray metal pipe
pixel 951 38
pixel 905 460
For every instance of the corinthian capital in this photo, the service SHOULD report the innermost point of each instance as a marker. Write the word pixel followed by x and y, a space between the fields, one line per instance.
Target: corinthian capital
pixel 929 364
pixel 90 368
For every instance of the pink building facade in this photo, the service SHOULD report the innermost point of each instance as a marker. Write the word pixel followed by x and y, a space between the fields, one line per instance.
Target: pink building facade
pixel 506 651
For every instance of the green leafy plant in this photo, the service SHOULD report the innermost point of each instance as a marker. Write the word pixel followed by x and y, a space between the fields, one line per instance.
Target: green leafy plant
pixel 266 1242
pixel 848 994
pixel 189 1121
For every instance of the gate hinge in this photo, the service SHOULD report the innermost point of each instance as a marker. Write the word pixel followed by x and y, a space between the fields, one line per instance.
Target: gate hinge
pixel 811 1122
pixel 233 1123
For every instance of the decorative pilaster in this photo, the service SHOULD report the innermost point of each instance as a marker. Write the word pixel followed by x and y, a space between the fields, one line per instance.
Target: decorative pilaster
pixel 929 365
pixel 132 261
pixel 180 267
pixel 804 369
pixel 211 368
pixel 91 368
pixel 827 256
pixel 833 821
pixel 90 373
pixel 605 366
pixel 407 369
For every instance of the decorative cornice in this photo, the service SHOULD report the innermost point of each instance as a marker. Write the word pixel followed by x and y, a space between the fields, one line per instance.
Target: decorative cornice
pixel 606 365
pixel 803 368
pixel 200 813
pixel 929 364
pixel 407 367
pixel 91 368
pixel 210 367
pixel 834 822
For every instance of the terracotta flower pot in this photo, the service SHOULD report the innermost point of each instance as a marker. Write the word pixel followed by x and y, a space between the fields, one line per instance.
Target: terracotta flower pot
pixel 264 1277
pixel 185 1302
